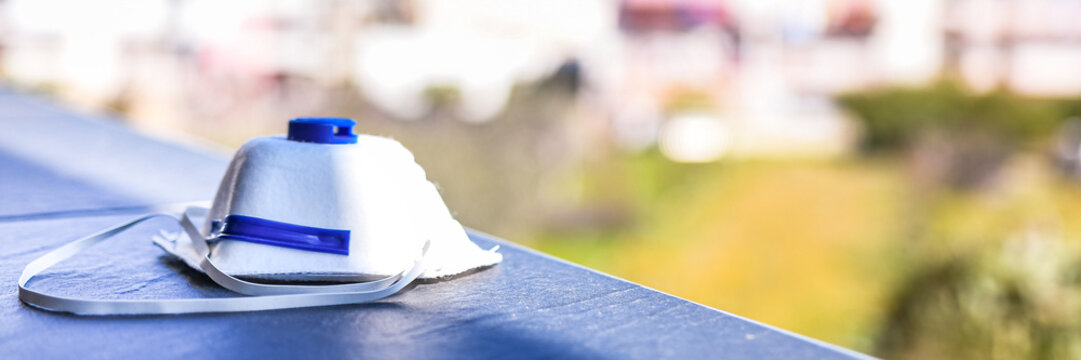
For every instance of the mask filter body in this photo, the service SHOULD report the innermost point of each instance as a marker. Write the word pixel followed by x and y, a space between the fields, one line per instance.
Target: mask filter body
pixel 320 204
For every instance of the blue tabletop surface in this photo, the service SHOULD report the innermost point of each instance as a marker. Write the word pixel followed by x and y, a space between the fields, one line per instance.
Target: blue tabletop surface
pixel 64 175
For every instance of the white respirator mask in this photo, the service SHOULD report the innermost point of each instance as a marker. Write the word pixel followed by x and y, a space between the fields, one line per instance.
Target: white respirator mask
pixel 319 205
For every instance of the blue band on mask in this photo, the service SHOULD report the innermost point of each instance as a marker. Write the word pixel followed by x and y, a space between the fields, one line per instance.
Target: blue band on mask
pixel 269 232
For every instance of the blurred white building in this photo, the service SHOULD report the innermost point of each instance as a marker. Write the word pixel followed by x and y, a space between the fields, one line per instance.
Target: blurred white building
pixel 764 71
pixel 1032 47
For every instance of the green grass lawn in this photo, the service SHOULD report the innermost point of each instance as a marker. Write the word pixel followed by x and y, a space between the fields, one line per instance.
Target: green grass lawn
pixel 819 247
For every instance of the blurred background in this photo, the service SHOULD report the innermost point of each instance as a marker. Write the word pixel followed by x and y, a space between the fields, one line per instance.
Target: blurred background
pixel 898 177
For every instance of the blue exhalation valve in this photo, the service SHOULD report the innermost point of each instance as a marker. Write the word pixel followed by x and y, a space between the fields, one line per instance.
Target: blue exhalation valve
pixel 323 130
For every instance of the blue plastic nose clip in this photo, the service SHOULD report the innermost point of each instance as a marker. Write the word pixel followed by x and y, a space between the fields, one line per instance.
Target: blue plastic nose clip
pixel 323 130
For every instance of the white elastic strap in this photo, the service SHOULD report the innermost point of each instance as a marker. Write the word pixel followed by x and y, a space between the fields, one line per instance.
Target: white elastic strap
pixel 301 296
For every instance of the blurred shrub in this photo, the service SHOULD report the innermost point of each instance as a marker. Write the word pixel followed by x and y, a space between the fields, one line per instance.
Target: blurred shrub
pixel 894 118
pixel 951 135
pixel 1017 301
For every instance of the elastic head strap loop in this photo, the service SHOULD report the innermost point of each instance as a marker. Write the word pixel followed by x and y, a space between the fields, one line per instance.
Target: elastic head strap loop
pixel 277 296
